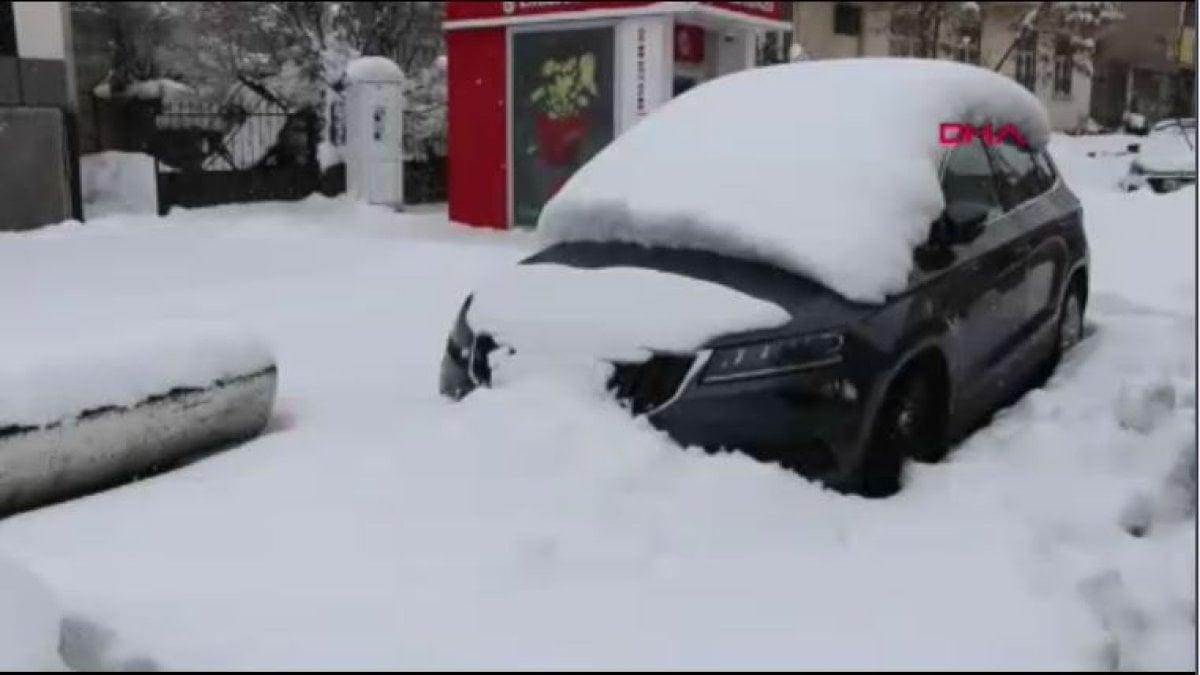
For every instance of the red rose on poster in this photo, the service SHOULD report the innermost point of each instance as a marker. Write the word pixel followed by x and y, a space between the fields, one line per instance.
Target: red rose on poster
pixel 559 140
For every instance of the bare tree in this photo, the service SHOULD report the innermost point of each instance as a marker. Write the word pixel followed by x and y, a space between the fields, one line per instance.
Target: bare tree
pixel 294 53
pixel 948 29
pixel 1081 22
pixel 134 30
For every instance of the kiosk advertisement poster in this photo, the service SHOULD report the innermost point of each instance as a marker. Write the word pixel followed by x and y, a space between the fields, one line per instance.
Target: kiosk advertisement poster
pixel 562 110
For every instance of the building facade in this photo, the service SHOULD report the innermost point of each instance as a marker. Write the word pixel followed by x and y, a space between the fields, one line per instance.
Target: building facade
pixel 1148 65
pixel 1047 65
pixel 39 157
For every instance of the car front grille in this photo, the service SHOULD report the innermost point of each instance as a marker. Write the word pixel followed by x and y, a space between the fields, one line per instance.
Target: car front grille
pixel 642 386
pixel 646 386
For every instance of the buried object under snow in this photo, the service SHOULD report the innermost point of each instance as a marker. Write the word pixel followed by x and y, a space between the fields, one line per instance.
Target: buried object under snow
pixel 70 424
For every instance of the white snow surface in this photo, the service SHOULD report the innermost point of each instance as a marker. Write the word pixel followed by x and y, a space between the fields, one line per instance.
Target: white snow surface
pixel 29 622
pixel 117 182
pixel 45 378
pixel 567 315
pixel 374 69
pixel 538 525
pixel 827 168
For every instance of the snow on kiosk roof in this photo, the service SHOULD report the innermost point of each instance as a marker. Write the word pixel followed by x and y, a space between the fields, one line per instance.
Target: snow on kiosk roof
pixel 826 168
pixel 374 69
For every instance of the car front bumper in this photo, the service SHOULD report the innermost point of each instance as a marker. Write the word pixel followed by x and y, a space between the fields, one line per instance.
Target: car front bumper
pixel 811 421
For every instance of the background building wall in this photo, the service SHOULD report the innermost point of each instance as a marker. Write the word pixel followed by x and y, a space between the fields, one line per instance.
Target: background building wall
pixel 39 160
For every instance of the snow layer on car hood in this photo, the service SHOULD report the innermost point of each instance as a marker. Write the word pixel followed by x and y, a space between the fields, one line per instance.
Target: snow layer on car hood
pixel 29 622
pixel 828 169
pixel 558 315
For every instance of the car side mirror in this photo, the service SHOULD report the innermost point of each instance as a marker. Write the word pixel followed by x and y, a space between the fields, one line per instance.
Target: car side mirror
pixel 1133 147
pixel 961 223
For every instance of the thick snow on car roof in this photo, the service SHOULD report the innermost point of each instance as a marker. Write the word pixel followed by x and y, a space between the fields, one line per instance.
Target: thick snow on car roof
pixel 1170 148
pixel 825 168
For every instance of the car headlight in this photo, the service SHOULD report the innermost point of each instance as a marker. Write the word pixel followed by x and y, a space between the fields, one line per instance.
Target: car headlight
pixel 775 357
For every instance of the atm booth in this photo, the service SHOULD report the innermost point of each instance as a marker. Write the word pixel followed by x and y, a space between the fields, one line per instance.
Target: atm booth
pixel 535 89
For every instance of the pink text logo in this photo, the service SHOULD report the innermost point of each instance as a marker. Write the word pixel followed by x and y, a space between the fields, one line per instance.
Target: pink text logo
pixel 952 135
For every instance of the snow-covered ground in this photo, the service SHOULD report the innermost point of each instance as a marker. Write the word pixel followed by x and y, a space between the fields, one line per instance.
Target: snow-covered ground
pixel 378 526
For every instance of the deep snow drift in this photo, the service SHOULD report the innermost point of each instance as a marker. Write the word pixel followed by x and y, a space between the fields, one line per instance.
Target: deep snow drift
pixel 759 164
pixel 538 525
pixel 29 622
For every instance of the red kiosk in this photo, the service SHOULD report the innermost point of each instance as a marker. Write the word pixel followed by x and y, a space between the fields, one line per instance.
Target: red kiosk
pixel 537 88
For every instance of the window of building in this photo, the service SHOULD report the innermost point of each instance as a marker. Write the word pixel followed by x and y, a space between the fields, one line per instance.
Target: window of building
pixel 8 32
pixel 1025 60
pixel 1064 66
pixel 847 19
pixel 904 37
pixel 969 38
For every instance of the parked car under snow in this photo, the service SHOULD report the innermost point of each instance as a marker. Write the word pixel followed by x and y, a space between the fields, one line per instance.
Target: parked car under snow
pixel 1166 161
pixel 789 262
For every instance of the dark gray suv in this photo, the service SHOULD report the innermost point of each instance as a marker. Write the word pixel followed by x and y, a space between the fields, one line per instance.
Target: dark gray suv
pixel 845 392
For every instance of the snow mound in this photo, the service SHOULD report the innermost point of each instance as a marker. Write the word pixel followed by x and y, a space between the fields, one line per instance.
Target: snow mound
pixel 612 314
pixel 328 155
pixel 160 88
pixel 825 168
pixel 374 69
pixel 118 182
pixel 29 622
pixel 1170 149
pixel 41 383
pixel 1141 406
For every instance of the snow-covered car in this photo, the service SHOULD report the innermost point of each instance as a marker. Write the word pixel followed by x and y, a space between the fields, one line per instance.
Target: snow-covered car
pixel 1166 160
pixel 791 262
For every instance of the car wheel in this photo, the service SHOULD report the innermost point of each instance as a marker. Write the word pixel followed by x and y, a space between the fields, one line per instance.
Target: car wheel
pixel 907 425
pixel 1070 323
pixel 1069 332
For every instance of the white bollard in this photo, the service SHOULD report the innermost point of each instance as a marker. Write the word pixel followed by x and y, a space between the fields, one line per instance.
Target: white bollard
pixel 375 131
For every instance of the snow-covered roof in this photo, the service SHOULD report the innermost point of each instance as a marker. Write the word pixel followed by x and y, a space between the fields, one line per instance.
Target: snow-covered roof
pixel 825 168
pixel 374 69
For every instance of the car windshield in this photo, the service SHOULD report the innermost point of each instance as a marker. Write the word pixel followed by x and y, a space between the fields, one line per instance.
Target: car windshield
pixel 1185 128
pixel 1189 123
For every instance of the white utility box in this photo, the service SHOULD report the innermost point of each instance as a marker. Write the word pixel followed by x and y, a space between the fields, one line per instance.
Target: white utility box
pixel 375 131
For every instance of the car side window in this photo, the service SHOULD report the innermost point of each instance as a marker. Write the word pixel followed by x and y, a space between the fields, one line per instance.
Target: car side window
pixel 1045 169
pixel 967 177
pixel 1020 177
